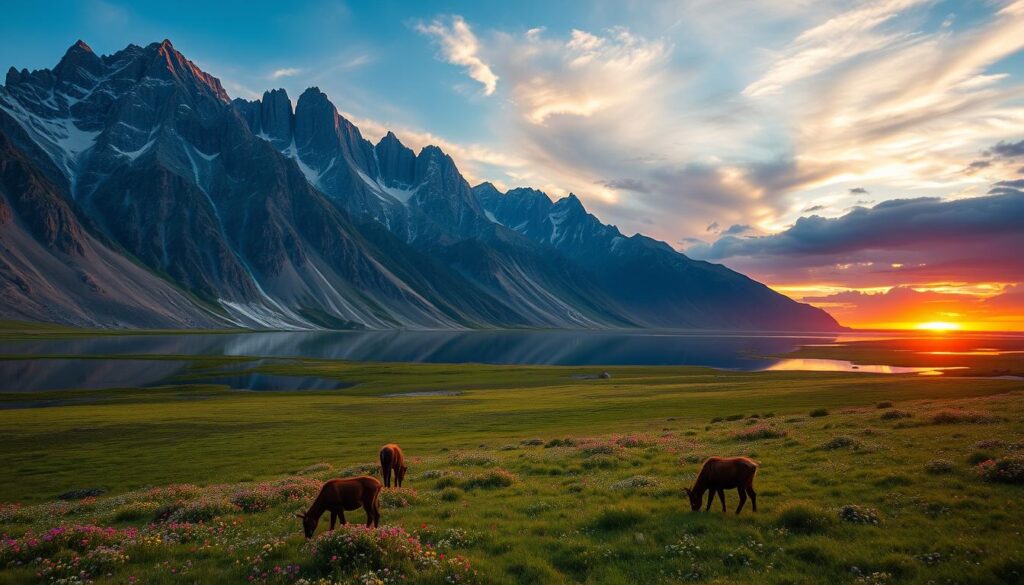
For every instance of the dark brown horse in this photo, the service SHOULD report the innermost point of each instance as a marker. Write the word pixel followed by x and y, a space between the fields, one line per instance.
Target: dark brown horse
pixel 719 474
pixel 392 458
pixel 341 495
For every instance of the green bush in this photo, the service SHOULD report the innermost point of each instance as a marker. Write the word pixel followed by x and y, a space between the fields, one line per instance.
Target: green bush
pixel 818 412
pixel 895 414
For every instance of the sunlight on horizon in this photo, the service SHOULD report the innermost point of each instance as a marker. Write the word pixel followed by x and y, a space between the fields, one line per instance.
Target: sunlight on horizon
pixel 938 326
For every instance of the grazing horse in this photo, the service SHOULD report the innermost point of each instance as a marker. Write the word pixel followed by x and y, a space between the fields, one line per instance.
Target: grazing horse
pixel 392 458
pixel 339 495
pixel 724 473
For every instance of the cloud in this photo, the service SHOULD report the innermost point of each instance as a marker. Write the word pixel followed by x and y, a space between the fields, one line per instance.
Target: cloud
pixel 822 47
pixel 459 46
pixel 635 185
pixel 736 229
pixel 813 208
pixel 712 227
pixel 891 224
pixel 579 76
pixel 1008 149
pixel 285 72
pixel 858 191
pixel 901 241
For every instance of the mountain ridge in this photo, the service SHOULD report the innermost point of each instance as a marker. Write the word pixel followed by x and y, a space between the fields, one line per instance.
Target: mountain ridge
pixel 260 214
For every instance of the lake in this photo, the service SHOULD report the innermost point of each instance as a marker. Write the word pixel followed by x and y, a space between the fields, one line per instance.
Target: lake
pixel 729 351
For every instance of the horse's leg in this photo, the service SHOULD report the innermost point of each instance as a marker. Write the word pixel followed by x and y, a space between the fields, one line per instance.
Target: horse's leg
pixel 341 515
pixel 334 518
pixel 386 470
pixel 711 500
pixel 743 498
pixel 368 507
pixel 753 496
pixel 376 510
pixel 721 496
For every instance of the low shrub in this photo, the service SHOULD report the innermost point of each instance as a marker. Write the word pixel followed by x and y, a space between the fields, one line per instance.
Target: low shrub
pixel 990 444
pixel 495 478
pixel 841 442
pixel 398 498
pixel 859 514
pixel 134 511
pixel 202 510
pixel 895 414
pixel 592 450
pixel 1006 470
pixel 978 457
pixel 451 494
pixel 469 460
pixel 939 466
pixel 559 443
pixel 804 519
pixel 600 462
pixel 734 417
pixel 759 432
pixel 632 442
pixel 951 416
pixel 884 404
pixel 350 552
pixel 818 412
pixel 532 442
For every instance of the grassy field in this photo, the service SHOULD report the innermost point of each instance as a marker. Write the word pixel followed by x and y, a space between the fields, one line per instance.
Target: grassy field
pixel 522 475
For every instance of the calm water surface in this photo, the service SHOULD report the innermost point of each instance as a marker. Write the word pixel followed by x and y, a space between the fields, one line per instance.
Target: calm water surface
pixel 66 369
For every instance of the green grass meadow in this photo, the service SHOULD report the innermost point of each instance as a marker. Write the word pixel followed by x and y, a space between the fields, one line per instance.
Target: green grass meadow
pixel 521 475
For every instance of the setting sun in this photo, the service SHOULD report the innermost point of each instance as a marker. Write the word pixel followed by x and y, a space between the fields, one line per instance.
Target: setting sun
pixel 939 326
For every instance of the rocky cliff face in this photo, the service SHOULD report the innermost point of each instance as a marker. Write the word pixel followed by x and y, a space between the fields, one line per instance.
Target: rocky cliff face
pixel 136 193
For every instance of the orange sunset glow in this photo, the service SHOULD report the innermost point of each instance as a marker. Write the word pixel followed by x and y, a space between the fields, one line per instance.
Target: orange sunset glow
pixel 936 307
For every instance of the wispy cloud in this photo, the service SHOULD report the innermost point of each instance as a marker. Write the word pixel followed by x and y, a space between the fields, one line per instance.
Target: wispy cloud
pixel 579 76
pixel 829 44
pixel 459 46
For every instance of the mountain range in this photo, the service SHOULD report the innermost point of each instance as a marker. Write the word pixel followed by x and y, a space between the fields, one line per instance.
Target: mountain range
pixel 134 192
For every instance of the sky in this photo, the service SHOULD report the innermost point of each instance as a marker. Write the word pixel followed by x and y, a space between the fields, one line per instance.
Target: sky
pixel 866 157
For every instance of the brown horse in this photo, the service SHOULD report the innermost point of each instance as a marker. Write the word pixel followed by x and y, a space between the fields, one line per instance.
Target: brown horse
pixel 719 474
pixel 392 458
pixel 339 495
